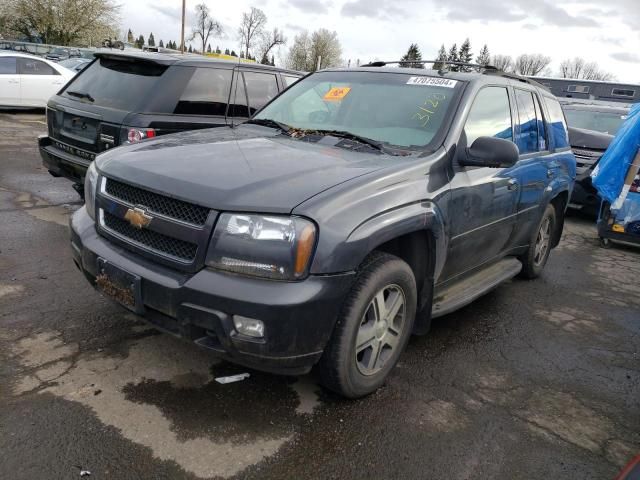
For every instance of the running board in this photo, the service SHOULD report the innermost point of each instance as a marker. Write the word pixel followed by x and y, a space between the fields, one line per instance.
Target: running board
pixel 463 292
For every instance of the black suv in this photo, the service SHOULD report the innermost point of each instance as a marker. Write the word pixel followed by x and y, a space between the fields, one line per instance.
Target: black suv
pixel 592 126
pixel 343 217
pixel 126 97
pixel 62 53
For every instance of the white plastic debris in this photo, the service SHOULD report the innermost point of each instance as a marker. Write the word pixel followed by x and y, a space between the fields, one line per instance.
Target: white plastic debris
pixel 85 473
pixel 233 378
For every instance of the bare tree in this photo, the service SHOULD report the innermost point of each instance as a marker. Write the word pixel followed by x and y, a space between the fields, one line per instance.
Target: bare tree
pixel 321 47
pixel 251 28
pixel 205 26
pixel 531 64
pixel 580 69
pixel 503 62
pixel 64 22
pixel 268 42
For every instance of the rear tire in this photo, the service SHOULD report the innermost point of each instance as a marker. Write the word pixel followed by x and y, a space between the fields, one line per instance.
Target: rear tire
pixel 373 328
pixel 534 260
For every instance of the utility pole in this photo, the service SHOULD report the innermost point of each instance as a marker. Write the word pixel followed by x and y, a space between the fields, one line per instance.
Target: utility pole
pixel 182 33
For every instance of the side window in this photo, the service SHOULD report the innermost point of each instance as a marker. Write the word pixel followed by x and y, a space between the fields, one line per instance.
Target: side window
pixel 206 93
pixel 490 115
pixel 27 66
pixel 557 123
pixel 8 66
pixel 261 88
pixel 238 107
pixel 527 138
pixel 542 131
pixel 289 80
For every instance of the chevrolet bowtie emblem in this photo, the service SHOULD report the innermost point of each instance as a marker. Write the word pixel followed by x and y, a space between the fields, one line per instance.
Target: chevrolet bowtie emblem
pixel 138 218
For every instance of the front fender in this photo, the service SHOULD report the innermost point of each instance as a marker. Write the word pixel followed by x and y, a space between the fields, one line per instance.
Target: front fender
pixel 377 230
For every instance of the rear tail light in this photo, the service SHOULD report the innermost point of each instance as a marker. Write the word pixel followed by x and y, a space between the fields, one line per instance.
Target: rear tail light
pixel 135 135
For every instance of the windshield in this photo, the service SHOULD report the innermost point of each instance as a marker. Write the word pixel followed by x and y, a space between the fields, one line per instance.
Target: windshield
pixel 397 109
pixel 604 122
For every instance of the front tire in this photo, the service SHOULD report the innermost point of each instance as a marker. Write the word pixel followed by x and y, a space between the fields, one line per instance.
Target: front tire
pixel 534 260
pixel 373 328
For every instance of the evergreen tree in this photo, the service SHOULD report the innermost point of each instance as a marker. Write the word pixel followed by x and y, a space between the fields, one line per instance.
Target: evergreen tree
pixel 233 53
pixel 217 49
pixel 412 55
pixel 441 59
pixel 465 55
pixel 227 52
pixel 190 49
pixel 152 40
pixel 161 45
pixel 130 38
pixel 452 56
pixel 484 58
pixel 242 54
pixel 209 48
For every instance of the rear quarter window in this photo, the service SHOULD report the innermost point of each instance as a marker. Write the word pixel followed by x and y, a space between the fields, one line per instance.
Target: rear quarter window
pixel 557 123
pixel 8 66
pixel 207 93
pixel 261 89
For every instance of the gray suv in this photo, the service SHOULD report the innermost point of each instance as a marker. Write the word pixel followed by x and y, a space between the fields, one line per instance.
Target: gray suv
pixel 342 218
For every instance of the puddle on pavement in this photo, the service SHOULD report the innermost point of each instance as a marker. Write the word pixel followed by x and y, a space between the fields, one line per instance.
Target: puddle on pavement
pixel 162 395
pixel 43 210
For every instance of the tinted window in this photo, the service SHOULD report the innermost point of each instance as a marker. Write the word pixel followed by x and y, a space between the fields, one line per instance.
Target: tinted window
pixel 557 123
pixel 261 87
pixel 238 107
pixel 542 130
pixel 206 93
pixel 527 138
pixel 290 80
pixel 490 115
pixel 7 66
pixel 28 66
pixel 117 84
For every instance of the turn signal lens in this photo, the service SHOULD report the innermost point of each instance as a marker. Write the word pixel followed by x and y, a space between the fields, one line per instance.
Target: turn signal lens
pixel 306 243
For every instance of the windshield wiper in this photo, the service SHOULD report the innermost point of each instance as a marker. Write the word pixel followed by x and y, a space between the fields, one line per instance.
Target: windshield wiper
pixel 81 95
pixel 352 136
pixel 267 122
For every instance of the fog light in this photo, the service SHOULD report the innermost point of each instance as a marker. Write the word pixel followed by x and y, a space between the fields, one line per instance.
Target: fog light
pixel 249 326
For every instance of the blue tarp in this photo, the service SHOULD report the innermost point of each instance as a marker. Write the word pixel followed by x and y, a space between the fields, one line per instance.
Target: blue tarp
pixel 608 176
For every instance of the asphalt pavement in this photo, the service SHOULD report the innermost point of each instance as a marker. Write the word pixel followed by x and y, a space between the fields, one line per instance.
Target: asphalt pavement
pixel 538 379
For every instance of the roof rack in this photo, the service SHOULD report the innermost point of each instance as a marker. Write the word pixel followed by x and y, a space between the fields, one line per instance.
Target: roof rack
pixel 484 69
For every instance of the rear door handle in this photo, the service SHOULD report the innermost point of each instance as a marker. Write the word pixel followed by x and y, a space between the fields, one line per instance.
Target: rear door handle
pixel 512 184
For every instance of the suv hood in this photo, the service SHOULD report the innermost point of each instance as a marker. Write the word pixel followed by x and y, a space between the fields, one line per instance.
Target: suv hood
pixel 589 139
pixel 248 168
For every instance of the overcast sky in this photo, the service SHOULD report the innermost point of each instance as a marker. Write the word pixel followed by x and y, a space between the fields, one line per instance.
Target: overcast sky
pixel 606 31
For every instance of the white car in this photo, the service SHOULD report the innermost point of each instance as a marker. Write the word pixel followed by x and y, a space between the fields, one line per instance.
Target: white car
pixel 27 81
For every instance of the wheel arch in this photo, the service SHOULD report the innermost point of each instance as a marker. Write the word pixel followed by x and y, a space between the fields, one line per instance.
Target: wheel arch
pixel 560 203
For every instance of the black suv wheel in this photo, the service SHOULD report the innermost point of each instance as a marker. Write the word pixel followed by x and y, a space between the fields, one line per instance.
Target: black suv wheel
pixel 535 259
pixel 373 328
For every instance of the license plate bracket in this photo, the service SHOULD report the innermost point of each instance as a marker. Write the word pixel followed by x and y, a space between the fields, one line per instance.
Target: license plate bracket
pixel 120 285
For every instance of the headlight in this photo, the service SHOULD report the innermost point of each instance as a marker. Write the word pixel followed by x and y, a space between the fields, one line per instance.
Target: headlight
pixel 275 247
pixel 90 182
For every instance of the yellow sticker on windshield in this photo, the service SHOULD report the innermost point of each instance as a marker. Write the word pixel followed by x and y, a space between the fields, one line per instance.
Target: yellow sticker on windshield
pixel 336 94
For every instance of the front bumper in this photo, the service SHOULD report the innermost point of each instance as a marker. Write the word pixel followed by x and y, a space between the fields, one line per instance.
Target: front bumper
pixel 298 316
pixel 61 163
pixel 584 195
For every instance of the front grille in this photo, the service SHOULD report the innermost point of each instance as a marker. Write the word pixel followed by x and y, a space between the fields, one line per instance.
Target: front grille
pixel 156 203
pixel 179 249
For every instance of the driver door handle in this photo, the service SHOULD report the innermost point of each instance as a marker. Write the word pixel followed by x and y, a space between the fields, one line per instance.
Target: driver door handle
pixel 512 184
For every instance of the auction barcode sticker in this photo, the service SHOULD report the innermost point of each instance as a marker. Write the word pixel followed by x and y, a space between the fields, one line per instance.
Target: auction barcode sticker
pixel 432 81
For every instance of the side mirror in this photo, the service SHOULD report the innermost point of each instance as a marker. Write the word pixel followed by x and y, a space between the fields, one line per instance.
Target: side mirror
pixel 491 152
